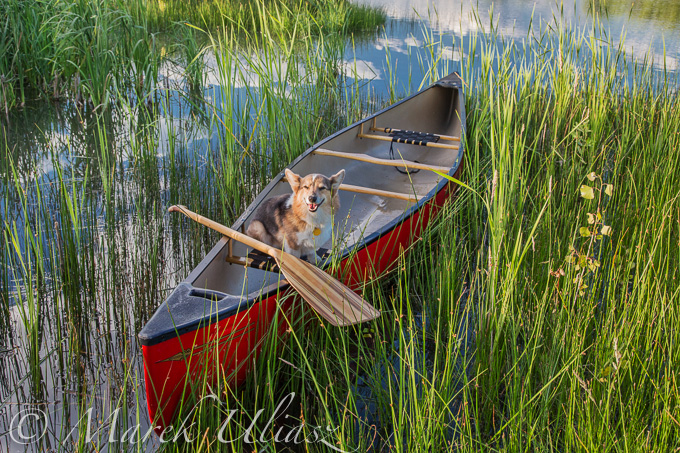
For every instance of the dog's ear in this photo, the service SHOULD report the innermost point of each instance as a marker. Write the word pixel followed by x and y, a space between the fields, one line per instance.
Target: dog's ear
pixel 293 180
pixel 336 180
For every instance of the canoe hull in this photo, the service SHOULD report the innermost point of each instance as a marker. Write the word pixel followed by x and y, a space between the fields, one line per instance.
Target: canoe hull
pixel 231 345
pixel 181 362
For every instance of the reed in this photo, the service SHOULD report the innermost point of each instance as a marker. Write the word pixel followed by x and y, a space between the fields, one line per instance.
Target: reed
pixel 529 316
pixel 539 312
pixel 87 51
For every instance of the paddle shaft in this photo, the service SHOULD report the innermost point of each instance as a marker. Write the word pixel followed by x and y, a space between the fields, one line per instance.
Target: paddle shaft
pixel 240 237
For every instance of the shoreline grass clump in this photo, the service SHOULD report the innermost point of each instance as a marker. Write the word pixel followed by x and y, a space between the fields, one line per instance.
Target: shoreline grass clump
pixel 91 52
pixel 331 16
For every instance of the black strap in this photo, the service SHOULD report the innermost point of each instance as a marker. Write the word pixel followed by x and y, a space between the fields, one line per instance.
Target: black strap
pixel 405 172
pixel 411 137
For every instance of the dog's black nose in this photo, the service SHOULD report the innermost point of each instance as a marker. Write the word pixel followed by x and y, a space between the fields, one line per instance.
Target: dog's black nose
pixel 312 199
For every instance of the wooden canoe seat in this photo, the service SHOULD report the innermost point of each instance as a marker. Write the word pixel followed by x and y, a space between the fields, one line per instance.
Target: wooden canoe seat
pixel 378 192
pixel 409 137
pixel 401 132
pixel 264 262
pixel 255 259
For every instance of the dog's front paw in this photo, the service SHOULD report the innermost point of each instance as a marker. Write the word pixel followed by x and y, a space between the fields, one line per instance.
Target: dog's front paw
pixel 308 258
pixel 314 258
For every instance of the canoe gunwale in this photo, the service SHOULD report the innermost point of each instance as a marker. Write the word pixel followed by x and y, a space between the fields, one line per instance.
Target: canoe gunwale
pixel 247 301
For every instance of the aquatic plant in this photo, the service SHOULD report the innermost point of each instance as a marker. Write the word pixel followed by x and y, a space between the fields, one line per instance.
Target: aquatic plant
pixel 517 322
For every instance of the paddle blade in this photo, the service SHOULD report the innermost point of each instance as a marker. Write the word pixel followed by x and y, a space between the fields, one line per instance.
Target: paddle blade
pixel 335 302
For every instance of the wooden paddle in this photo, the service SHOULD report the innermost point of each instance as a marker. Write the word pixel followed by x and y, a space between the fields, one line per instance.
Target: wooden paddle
pixel 335 302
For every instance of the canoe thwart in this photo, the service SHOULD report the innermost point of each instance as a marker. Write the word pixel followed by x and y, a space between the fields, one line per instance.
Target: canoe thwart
pixel 377 192
pixel 377 161
pixel 402 133
pixel 380 193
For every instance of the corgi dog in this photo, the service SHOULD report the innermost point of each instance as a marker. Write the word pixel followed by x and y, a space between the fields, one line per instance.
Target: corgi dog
pixel 299 223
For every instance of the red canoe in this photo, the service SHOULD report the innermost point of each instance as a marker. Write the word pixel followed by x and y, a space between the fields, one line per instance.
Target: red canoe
pixel 218 316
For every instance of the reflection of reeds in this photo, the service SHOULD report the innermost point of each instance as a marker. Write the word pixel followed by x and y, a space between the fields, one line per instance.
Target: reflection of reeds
pixel 24 243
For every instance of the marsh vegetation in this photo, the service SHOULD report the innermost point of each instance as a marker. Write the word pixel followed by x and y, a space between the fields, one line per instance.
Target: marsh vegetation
pixel 540 312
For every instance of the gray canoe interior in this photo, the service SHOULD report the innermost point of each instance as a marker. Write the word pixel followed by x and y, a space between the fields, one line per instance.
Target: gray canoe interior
pixel 432 111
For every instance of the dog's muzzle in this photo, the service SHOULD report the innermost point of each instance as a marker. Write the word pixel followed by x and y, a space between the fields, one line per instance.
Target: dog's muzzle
pixel 314 206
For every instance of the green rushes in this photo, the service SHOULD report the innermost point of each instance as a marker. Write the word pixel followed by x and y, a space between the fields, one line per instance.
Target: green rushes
pixel 518 322
pixel 92 51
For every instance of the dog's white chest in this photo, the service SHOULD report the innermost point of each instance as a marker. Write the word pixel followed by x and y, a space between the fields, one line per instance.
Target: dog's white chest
pixel 323 225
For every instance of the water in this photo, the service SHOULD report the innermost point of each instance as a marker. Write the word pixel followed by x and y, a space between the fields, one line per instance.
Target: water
pixel 646 28
pixel 389 62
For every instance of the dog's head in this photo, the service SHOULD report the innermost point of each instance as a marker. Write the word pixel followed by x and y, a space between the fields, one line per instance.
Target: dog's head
pixel 314 190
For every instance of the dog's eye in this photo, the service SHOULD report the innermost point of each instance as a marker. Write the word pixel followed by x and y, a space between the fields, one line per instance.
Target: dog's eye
pixel 305 187
pixel 323 188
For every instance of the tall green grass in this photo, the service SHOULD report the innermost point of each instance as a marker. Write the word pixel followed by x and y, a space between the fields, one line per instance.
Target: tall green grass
pixel 539 312
pixel 90 51
pixel 334 16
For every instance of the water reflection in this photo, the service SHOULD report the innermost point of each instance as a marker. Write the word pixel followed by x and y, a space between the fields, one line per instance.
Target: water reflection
pixel 647 28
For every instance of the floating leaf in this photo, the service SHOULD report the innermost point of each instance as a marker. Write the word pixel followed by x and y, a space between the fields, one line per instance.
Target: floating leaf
pixel 606 230
pixel 585 232
pixel 592 176
pixel 591 219
pixel 587 192
pixel 608 188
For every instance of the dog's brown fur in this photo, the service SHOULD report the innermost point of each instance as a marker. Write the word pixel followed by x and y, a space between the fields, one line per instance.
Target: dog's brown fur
pixel 288 221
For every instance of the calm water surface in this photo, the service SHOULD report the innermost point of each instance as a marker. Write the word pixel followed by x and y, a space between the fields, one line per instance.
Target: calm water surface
pixel 645 27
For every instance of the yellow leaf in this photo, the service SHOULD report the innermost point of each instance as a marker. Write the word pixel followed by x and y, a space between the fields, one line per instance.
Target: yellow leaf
pixel 608 188
pixel 587 192
pixel 606 230
pixel 592 176
pixel 591 219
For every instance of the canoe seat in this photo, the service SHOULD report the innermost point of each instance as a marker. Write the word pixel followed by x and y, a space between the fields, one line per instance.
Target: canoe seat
pixel 410 137
pixel 397 132
pixel 265 262
pixel 378 192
